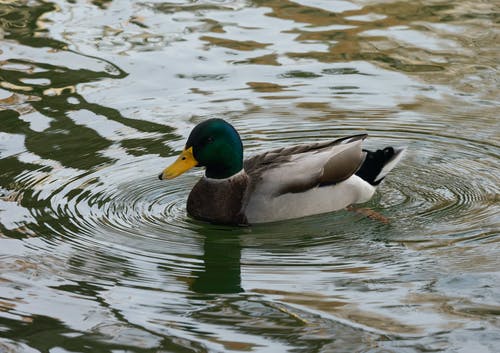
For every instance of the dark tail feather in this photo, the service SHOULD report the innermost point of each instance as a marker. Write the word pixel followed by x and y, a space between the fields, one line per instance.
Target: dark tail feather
pixel 377 164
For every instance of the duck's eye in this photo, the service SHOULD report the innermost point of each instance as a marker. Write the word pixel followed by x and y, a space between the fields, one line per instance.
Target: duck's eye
pixel 210 139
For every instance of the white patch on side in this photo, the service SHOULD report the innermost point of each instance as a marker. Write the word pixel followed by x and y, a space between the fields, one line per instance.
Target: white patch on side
pixel 265 208
pixel 389 166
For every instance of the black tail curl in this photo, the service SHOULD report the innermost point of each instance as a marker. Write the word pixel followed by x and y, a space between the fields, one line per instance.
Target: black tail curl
pixel 374 163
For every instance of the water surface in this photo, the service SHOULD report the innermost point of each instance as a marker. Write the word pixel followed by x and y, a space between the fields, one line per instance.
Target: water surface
pixel 97 255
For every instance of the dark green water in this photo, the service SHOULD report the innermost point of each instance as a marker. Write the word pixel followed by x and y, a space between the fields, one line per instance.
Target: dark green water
pixel 97 97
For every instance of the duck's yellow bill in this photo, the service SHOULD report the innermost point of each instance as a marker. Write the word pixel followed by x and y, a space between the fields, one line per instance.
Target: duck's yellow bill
pixel 182 164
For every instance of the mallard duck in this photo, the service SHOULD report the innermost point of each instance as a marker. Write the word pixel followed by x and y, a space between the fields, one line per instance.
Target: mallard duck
pixel 280 184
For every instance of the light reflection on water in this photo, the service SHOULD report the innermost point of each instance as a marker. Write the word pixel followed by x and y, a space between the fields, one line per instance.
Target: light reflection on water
pixel 98 255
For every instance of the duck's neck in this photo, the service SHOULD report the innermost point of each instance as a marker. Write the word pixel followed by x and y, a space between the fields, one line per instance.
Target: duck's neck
pixel 230 177
pixel 223 172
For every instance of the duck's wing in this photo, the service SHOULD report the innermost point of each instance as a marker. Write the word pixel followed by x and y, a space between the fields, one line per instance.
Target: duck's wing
pixel 300 168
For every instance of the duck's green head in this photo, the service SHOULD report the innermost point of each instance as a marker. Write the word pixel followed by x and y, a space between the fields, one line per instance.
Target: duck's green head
pixel 213 144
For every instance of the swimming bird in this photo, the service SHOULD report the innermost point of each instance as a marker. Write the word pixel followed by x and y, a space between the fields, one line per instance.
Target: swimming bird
pixel 279 184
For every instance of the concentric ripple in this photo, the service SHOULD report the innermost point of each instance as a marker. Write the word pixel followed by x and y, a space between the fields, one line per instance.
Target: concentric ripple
pixel 114 212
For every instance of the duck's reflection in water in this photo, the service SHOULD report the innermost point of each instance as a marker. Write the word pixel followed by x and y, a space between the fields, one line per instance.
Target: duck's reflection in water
pixel 222 271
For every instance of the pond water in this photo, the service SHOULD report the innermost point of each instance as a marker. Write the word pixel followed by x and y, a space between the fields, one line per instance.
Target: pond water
pixel 97 97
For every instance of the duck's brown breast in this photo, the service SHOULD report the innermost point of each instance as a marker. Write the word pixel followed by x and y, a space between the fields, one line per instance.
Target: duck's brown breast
pixel 219 201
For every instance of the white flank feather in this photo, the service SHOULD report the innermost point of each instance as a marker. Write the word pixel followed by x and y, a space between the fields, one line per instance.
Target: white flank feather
pixel 262 207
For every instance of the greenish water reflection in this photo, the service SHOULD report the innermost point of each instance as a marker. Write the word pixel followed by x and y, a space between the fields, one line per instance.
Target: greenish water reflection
pixel 222 267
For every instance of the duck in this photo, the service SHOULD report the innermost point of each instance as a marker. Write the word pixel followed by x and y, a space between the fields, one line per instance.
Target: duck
pixel 279 184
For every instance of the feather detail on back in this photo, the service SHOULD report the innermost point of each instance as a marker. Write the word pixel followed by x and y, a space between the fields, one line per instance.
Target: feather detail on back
pixel 300 168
